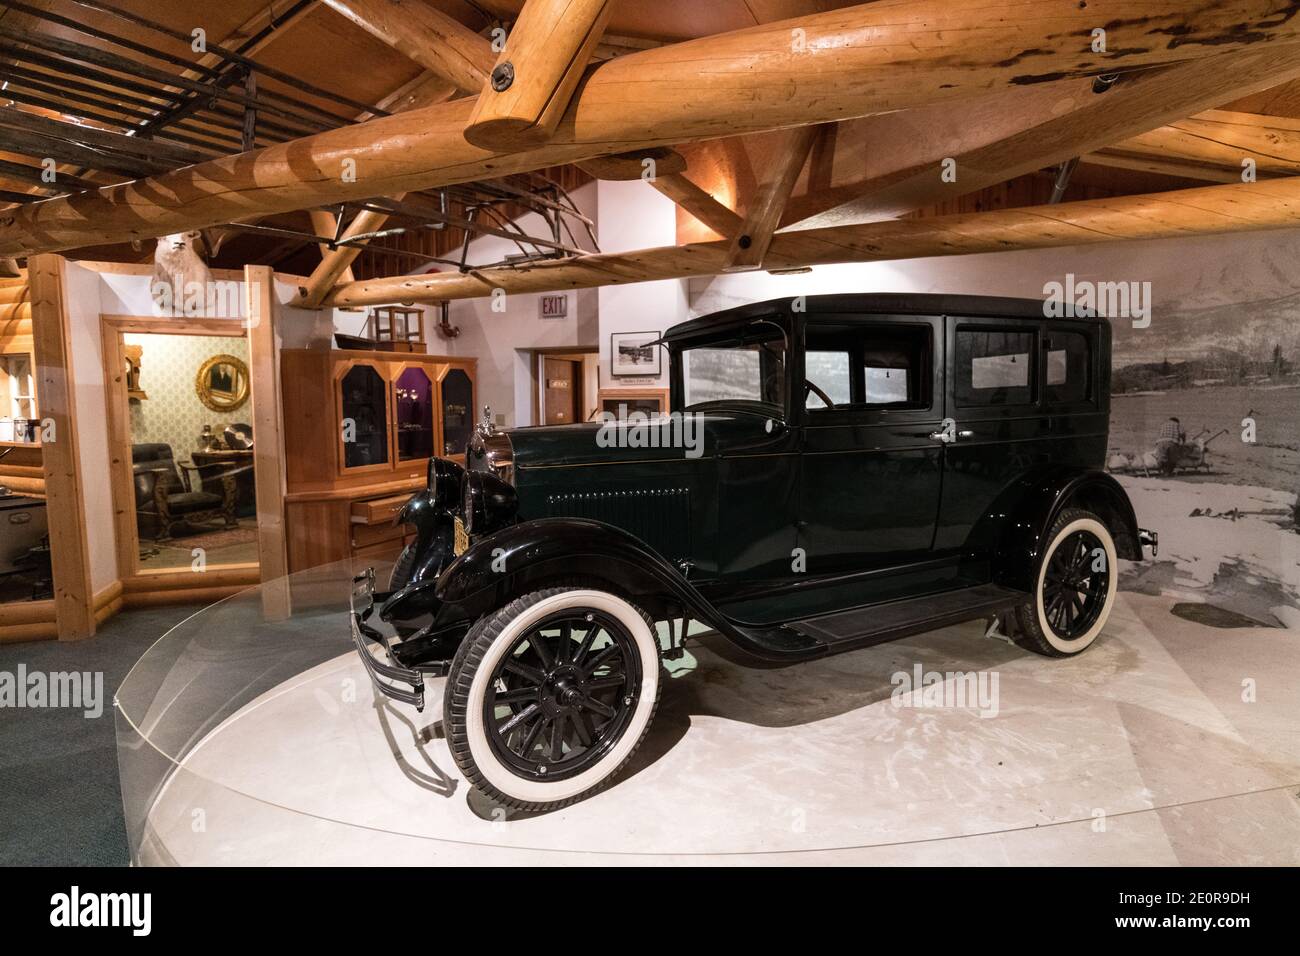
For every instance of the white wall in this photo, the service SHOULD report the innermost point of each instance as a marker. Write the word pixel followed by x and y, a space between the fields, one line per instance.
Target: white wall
pixel 636 216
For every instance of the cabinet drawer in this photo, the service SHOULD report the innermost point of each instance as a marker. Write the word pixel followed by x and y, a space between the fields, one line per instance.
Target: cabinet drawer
pixel 378 510
pixel 364 535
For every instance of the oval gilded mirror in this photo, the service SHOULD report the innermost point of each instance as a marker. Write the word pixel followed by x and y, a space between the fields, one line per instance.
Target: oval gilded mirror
pixel 222 383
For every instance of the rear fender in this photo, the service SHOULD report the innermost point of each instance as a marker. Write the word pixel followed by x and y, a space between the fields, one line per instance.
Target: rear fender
pixel 1039 501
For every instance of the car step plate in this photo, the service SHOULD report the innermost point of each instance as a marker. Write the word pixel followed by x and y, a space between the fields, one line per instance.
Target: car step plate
pixel 886 622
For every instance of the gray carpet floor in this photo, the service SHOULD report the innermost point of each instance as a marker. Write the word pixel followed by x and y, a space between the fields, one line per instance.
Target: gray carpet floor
pixel 60 802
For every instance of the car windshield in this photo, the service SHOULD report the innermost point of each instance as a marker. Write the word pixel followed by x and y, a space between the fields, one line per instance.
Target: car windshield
pixel 748 367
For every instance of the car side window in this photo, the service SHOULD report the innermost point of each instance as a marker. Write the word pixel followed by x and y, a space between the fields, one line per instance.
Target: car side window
pixel 1069 368
pixel 862 367
pixel 994 367
pixel 829 371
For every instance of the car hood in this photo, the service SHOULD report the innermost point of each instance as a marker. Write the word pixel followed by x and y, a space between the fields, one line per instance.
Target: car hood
pixel 690 437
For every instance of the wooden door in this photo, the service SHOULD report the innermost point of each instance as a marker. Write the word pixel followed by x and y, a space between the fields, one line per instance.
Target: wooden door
pixel 561 388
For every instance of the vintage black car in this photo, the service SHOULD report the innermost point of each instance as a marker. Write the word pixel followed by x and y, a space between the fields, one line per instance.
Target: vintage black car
pixel 838 471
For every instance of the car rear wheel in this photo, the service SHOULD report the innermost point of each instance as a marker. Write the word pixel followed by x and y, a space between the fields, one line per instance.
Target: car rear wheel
pixel 1074 589
pixel 550 696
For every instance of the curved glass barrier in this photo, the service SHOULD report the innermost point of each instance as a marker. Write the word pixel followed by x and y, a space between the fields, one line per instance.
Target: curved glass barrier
pixel 244 739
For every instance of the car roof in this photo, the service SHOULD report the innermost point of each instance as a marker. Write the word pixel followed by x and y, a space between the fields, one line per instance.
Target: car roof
pixel 872 304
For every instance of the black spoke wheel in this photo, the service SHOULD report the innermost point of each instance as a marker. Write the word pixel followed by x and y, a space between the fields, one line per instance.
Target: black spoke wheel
pixel 563 694
pixel 1075 589
pixel 549 696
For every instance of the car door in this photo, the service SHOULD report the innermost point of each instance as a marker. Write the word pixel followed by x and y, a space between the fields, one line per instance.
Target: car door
pixel 871 472
pixel 996 426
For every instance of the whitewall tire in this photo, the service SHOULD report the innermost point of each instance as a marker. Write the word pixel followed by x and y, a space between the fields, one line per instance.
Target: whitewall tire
pixel 548 697
pixel 1074 588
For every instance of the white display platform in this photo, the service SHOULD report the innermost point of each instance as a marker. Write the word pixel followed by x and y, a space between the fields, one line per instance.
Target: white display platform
pixel 1128 754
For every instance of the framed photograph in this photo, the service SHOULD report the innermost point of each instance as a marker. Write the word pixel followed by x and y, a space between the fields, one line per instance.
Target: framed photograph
pixel 631 353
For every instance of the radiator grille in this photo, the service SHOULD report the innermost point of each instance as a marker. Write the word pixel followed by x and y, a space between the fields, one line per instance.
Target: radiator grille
pixel 660 517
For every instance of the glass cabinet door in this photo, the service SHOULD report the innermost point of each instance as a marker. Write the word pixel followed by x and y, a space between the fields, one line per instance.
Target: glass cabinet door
pixel 457 411
pixel 414 415
pixel 365 417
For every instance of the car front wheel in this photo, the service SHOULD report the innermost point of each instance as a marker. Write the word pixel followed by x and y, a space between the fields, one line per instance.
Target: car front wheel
pixel 1074 589
pixel 548 697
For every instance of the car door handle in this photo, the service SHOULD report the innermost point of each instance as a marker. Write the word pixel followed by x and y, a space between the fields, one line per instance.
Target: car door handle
pixel 948 439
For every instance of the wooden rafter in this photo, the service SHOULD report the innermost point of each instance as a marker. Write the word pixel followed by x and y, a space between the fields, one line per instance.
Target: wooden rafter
pixel 698 203
pixel 439 43
pixel 1213 145
pixel 750 243
pixel 535 76
pixel 1211 210
pixel 900 156
pixel 335 262
pixel 855 61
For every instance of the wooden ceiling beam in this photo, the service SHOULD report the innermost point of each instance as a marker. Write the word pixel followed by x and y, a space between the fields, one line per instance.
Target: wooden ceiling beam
pixel 326 225
pixel 425 34
pixel 852 62
pixel 335 262
pixel 1212 146
pixel 750 243
pixel 901 155
pixel 698 203
pixel 1210 210
pixel 534 78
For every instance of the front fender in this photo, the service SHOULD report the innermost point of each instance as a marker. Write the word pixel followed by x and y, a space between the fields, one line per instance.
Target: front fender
pixel 1029 511
pixel 500 567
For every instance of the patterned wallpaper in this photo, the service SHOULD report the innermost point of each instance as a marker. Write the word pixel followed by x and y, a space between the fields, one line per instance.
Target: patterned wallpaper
pixel 173 413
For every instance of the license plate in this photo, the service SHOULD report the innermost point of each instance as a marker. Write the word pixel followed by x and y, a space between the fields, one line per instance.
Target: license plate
pixel 462 539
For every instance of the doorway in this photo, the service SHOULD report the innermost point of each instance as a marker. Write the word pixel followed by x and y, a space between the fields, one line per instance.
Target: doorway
pixel 180 415
pixel 564 385
pixel 561 391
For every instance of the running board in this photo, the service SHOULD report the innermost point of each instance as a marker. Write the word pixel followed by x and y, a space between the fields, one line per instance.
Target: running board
pixel 864 626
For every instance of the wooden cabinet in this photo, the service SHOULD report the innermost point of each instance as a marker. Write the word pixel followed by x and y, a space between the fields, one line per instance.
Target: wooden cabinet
pixel 360 428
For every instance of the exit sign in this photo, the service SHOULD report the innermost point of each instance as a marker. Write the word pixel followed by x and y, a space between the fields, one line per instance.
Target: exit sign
pixel 554 306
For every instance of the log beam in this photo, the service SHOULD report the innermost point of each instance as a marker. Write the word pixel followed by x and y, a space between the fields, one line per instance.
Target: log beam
pixel 534 78
pixel 439 43
pixel 852 62
pixel 335 262
pixel 1211 210
pixel 752 239
pixel 326 225
pixel 901 171
pixel 1213 146
pixel 698 203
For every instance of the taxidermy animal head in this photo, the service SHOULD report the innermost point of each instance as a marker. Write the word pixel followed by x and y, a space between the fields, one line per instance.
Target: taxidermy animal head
pixel 181 281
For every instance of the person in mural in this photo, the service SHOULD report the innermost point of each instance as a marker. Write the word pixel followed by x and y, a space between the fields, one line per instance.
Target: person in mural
pixel 1169 444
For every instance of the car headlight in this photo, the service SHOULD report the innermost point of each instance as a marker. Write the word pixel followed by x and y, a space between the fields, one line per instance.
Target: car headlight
pixel 487 502
pixel 445 480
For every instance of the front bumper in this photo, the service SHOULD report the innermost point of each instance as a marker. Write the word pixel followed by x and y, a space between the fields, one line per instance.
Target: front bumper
pixel 390 678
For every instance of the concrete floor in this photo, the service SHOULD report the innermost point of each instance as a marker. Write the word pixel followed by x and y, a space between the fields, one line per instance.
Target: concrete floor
pixel 1141 751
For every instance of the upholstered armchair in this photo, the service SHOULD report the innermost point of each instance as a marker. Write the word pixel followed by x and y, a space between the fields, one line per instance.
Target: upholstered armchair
pixel 167 495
